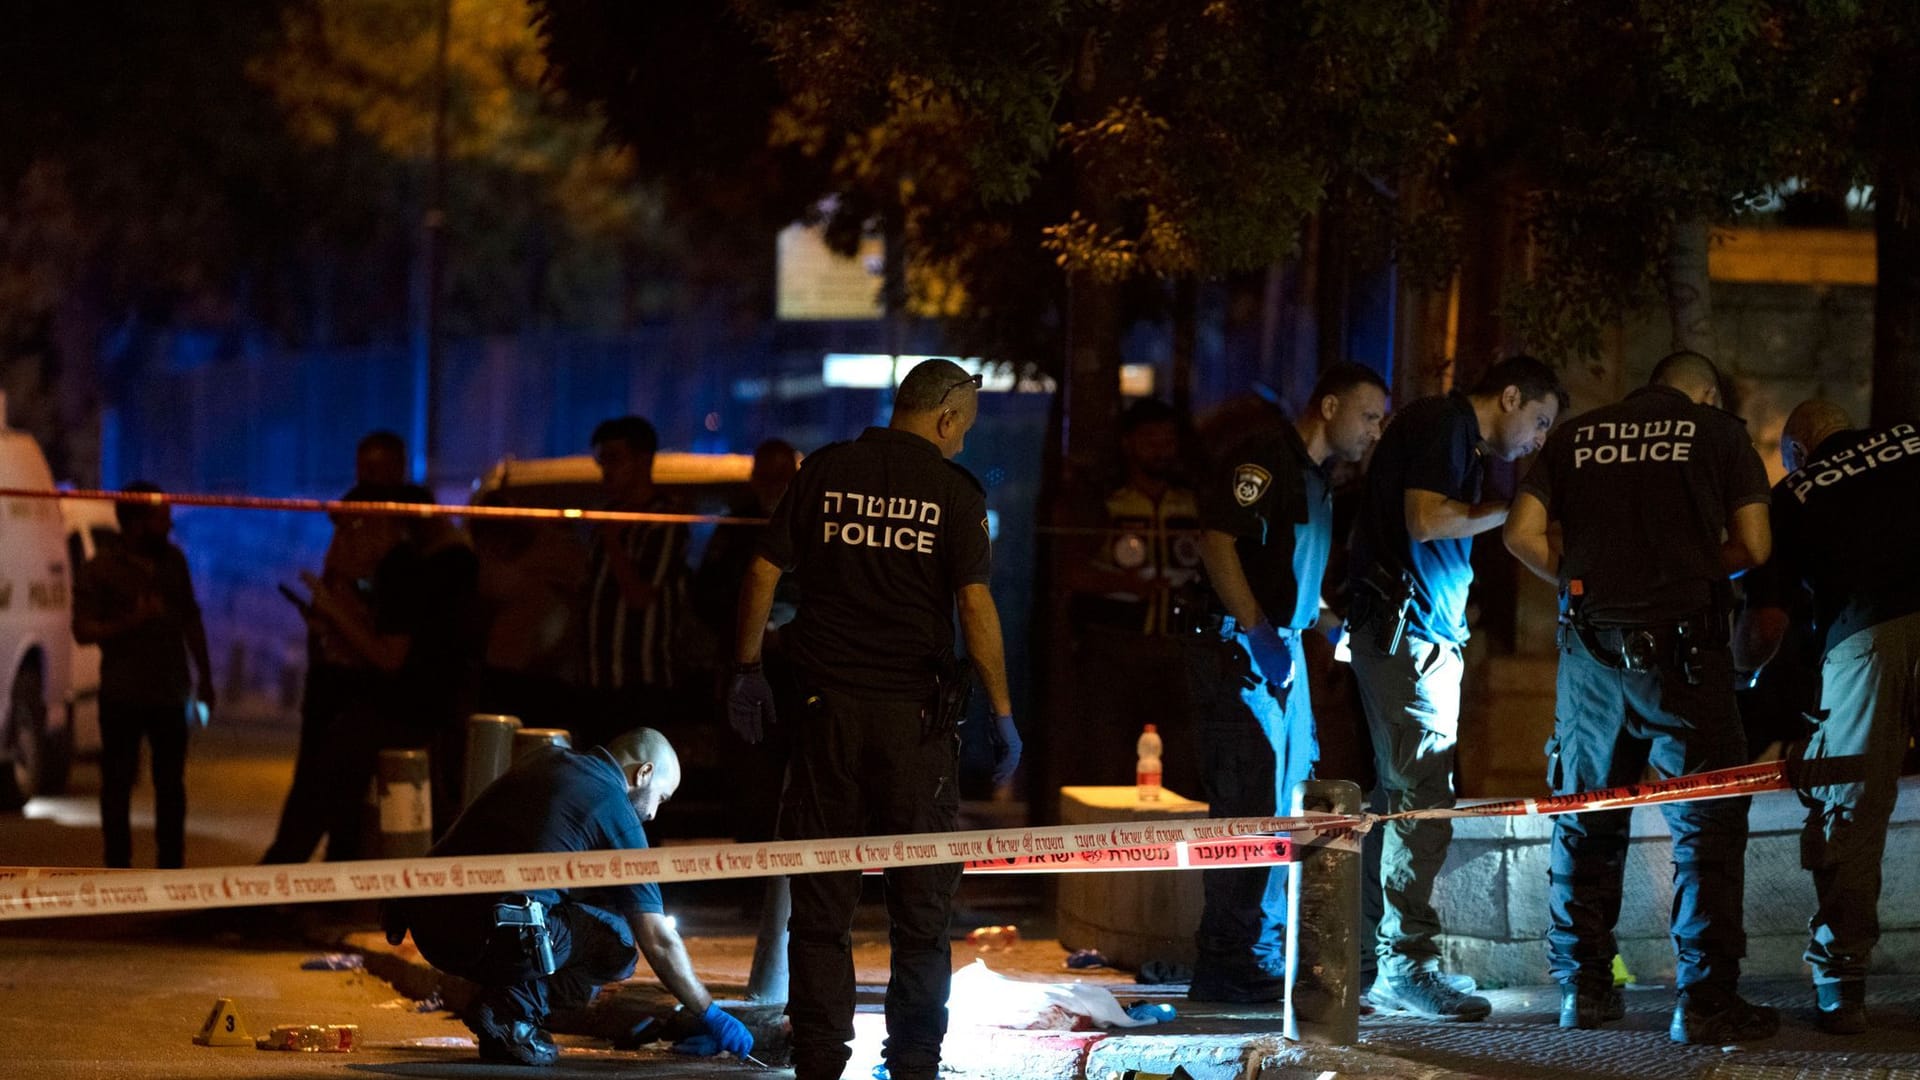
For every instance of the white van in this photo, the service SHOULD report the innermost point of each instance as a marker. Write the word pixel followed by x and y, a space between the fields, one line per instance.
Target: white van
pixel 91 527
pixel 36 637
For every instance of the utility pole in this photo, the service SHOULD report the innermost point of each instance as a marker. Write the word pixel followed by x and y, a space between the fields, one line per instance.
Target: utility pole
pixel 429 268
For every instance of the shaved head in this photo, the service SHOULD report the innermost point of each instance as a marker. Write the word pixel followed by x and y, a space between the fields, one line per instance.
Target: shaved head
pixel 1808 425
pixel 645 746
pixel 1691 374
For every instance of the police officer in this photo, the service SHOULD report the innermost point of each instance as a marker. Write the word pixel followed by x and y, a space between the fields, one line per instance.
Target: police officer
pixel 547 949
pixel 1411 568
pixel 1846 525
pixel 1642 492
pixel 886 536
pixel 1267 517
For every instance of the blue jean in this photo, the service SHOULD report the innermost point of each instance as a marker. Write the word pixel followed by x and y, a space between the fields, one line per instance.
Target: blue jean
pixel 1256 741
pixel 1609 725
pixel 1870 694
pixel 1412 701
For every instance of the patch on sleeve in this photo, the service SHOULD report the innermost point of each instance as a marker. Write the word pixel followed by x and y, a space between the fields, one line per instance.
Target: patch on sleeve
pixel 1249 483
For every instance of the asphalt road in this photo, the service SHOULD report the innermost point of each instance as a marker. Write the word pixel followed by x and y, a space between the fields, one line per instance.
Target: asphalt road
pixel 123 997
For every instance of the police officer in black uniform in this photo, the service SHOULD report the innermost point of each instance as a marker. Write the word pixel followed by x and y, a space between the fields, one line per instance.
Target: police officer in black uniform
pixel 1267 517
pixel 1846 526
pixel 886 536
pixel 1643 492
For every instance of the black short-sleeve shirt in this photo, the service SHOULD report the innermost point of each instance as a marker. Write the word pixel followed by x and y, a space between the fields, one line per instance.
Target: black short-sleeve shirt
pixel 1276 504
pixel 1431 445
pixel 880 532
pixel 1644 490
pixel 554 800
pixel 1846 526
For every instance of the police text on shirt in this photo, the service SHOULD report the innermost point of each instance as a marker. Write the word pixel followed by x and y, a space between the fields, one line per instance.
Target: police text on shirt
pixel 879 529
pixel 1622 443
pixel 1882 449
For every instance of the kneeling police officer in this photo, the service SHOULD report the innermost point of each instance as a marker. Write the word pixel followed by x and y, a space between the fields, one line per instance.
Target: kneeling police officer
pixel 545 949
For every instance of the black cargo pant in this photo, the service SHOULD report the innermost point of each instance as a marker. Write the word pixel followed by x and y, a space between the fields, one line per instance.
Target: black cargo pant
pixel 591 946
pixel 1610 724
pixel 865 768
pixel 164 727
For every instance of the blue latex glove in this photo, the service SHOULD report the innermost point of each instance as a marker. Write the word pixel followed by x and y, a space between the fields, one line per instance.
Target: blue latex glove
pixel 696 1046
pixel 1006 749
pixel 750 704
pixel 1273 655
pixel 731 1035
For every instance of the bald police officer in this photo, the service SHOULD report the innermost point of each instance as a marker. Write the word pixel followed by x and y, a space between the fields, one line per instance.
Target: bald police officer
pixel 1267 516
pixel 886 536
pixel 1659 499
pixel 1846 525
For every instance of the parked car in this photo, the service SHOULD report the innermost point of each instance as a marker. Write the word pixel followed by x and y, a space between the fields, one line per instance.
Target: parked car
pixel 36 637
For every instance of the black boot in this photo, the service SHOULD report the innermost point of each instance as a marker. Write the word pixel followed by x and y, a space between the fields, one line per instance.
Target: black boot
pixel 1586 1005
pixel 1843 1006
pixel 1714 1017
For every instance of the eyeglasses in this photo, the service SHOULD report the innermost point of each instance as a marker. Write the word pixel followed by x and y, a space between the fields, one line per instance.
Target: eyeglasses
pixel 974 380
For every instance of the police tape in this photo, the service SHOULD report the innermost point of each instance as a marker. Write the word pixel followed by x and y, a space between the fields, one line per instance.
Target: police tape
pixel 41 892
pixel 1182 855
pixel 379 509
pixel 1730 783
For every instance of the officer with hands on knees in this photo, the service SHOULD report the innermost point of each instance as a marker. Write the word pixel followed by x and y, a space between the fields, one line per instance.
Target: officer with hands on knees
pixel 1267 520
pixel 545 949
pixel 1846 526
pixel 886 537
pixel 1659 499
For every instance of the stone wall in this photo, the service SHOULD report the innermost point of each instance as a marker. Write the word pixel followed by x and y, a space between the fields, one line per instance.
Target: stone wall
pixel 1492 895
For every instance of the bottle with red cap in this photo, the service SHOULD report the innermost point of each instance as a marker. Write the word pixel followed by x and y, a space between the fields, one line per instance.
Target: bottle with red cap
pixel 1146 773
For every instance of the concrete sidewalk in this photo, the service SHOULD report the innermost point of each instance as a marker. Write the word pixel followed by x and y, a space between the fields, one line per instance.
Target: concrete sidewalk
pixel 1221 1042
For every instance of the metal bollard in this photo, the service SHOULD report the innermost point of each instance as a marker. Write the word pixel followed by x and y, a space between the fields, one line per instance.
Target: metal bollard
pixel 528 739
pixel 767 980
pixel 406 804
pixel 489 752
pixel 1323 925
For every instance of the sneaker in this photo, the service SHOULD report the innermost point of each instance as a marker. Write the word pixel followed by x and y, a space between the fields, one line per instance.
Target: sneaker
pixel 1587 1007
pixel 1718 1018
pixel 1428 993
pixel 1843 1007
pixel 1254 988
pixel 510 1042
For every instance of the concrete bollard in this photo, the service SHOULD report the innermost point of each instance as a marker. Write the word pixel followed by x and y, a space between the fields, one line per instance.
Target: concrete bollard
pixel 1323 925
pixel 406 804
pixel 489 752
pixel 529 739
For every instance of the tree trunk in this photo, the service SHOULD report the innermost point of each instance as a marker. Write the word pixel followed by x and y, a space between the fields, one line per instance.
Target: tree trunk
pixel 1481 338
pixel 1896 296
pixel 1689 296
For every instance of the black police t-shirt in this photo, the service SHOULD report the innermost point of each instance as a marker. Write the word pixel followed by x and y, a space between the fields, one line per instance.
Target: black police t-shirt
pixel 1275 502
pixel 880 533
pixel 1847 527
pixel 1431 445
pixel 1644 490
pixel 552 800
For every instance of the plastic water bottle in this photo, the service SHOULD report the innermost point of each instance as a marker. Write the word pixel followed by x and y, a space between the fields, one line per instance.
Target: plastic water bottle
pixel 1146 772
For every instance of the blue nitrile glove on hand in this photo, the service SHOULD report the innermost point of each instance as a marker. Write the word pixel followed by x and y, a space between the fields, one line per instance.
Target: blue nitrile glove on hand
pixel 1273 655
pixel 1006 749
pixel 731 1035
pixel 750 702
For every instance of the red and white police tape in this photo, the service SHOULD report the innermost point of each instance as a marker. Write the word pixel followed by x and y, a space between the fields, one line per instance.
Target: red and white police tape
pixel 375 509
pixel 42 892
